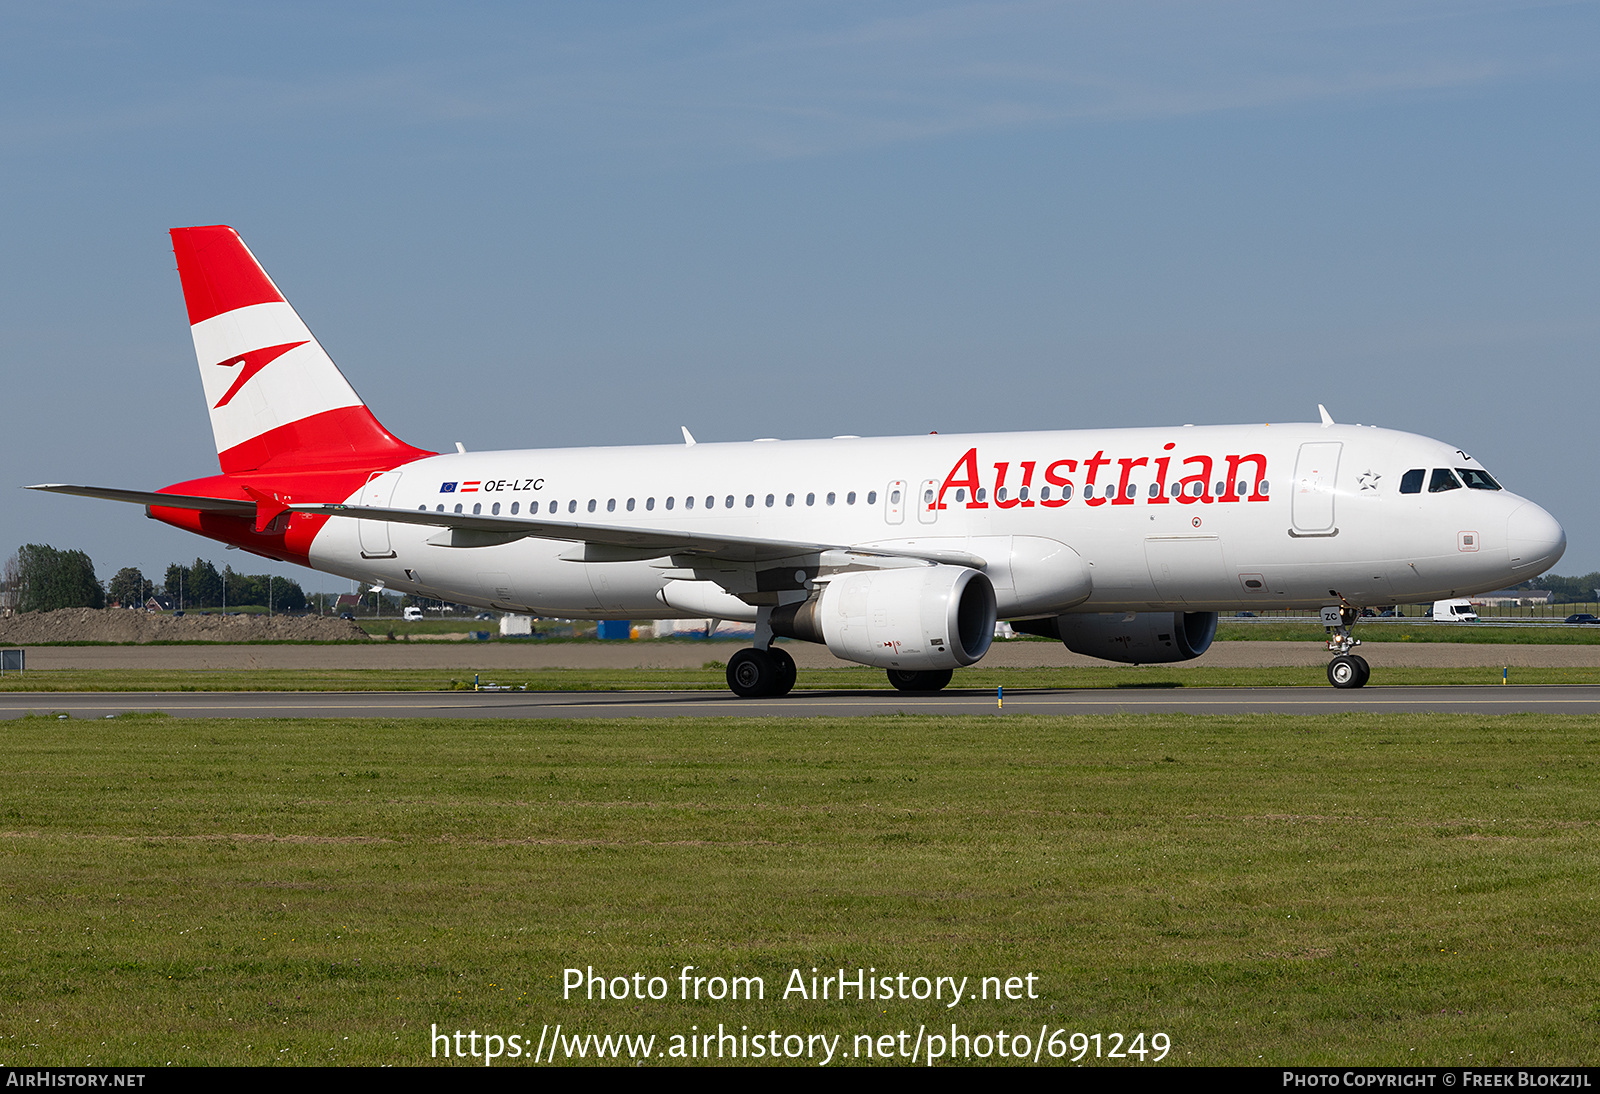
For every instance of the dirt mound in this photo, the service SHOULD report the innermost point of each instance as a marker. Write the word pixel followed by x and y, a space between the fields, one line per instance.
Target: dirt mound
pixel 125 625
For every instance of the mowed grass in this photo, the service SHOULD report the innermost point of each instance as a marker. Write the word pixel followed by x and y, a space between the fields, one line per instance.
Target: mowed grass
pixel 1383 889
pixel 843 678
pixel 1403 630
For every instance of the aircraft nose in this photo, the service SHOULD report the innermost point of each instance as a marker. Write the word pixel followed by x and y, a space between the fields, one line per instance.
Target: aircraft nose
pixel 1535 539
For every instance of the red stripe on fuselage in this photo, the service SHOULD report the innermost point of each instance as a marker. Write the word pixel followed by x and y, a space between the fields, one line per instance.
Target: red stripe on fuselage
pixel 218 272
pixel 324 458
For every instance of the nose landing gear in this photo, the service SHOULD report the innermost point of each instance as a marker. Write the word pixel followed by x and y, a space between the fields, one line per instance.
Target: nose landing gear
pixel 1346 670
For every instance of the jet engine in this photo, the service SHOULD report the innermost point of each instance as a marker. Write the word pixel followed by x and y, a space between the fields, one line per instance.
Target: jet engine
pixel 1133 638
pixel 913 618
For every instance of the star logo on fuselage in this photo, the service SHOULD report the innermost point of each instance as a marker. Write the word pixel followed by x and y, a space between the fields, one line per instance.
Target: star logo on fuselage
pixel 253 362
pixel 1368 480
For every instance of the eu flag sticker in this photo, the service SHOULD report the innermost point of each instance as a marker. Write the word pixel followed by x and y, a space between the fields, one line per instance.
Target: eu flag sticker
pixel 447 488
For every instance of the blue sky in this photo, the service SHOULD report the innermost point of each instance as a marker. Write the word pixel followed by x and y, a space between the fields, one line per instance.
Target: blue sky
pixel 522 225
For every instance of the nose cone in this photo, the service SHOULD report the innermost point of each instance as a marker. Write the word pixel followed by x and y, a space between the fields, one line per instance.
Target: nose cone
pixel 1535 540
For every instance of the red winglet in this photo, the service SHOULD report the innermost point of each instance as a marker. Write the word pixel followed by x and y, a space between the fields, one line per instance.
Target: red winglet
pixel 268 507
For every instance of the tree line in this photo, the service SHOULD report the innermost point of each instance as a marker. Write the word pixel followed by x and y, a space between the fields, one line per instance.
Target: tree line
pixel 40 578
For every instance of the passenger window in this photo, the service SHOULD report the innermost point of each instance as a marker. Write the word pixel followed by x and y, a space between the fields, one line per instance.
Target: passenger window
pixel 669 502
pixel 1023 493
pixel 494 510
pixel 1088 490
pixel 788 499
pixel 927 497
pixel 770 500
pixel 611 505
pixel 1044 493
pixel 572 506
pixel 591 504
pixel 750 501
pixel 1442 480
pixel 441 508
pixel 872 497
pixel 894 497
pixel 728 503
pixel 1411 481
pixel 811 499
pixel 1177 489
pixel 1131 491
pixel 516 505
pixel 711 501
pixel 477 509
pixel 458 507
pixel 850 498
pixel 1155 490
pixel 688 502
pixel 630 505
pixel 830 497
pixel 649 504
pixel 981 494
pixel 1000 494
pixel 1477 480
pixel 1261 488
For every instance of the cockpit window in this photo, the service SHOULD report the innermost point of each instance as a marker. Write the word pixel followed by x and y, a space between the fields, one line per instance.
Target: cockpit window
pixel 1442 480
pixel 1411 481
pixel 1477 480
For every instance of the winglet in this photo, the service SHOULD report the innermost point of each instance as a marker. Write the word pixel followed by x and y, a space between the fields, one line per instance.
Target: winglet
pixel 1327 419
pixel 268 507
pixel 688 438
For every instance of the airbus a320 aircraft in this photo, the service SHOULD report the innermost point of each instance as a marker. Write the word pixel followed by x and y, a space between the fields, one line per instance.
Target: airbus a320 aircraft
pixel 896 552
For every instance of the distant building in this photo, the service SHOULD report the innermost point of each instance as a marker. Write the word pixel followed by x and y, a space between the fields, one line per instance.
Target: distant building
pixel 1513 598
pixel 160 603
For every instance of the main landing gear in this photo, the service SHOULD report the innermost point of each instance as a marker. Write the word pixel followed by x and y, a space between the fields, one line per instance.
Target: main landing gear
pixel 1346 670
pixel 758 674
pixel 925 680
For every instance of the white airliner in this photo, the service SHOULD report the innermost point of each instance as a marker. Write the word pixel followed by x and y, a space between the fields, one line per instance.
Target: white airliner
pixel 898 552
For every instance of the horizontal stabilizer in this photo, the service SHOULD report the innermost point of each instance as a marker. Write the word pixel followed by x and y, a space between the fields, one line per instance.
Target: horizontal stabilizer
pixel 234 506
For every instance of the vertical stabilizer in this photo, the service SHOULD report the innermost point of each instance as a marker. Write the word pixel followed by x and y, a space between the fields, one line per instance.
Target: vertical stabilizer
pixel 276 398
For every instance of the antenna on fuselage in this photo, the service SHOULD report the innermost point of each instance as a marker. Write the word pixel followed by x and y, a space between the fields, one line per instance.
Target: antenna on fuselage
pixel 688 438
pixel 1327 419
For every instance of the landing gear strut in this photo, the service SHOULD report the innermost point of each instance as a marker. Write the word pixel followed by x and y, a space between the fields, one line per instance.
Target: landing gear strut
pixel 1346 670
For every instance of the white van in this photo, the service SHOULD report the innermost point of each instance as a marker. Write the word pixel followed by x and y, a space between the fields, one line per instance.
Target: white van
pixel 411 614
pixel 1454 611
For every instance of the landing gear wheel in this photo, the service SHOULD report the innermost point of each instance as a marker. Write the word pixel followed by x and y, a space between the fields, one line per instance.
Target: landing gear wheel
pixel 927 680
pixel 1366 669
pixel 786 671
pixel 753 673
pixel 1348 671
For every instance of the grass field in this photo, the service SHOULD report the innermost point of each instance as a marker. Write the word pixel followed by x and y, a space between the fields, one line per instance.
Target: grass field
pixel 712 678
pixel 1401 889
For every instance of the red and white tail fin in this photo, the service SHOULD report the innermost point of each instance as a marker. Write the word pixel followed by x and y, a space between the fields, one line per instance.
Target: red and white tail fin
pixel 276 398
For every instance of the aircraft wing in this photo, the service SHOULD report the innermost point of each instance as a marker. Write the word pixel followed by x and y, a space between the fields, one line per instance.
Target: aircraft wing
pixel 232 506
pixel 616 543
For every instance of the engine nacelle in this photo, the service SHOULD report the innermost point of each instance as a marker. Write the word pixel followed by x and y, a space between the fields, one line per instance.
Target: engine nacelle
pixel 912 617
pixel 1133 638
